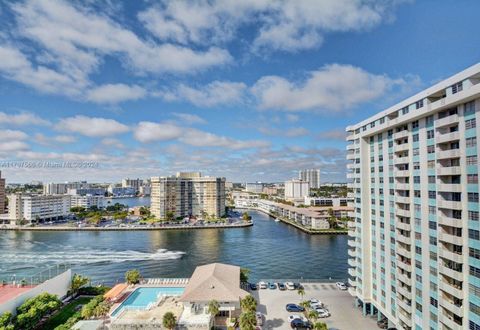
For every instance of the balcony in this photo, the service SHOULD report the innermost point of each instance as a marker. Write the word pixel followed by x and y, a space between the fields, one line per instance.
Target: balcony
pixel 404 305
pixel 449 221
pixel 352 272
pixel 443 138
pixel 450 273
pixel 403 239
pixel 351 146
pixel 403 212
pixel 401 160
pixel 449 238
pixel 351 156
pixel 351 175
pixel 403 252
pixel 452 170
pixel 453 119
pixel 446 254
pixel 404 279
pixel 403 226
pixel 352 291
pixel 405 318
pixel 401 173
pixel 449 187
pixel 352 262
pixel 351 243
pixel 401 199
pixel 351 166
pixel 447 154
pixel 403 265
pixel 450 289
pixel 401 147
pixel 401 134
pixel 452 205
pixel 448 321
pixel 402 186
pixel 450 306
pixel 352 282
pixel 404 292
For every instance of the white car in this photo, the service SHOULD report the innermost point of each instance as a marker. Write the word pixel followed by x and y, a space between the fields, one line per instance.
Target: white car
pixel 262 285
pixel 290 285
pixel 315 303
pixel 322 312
pixel 341 286
pixel 294 317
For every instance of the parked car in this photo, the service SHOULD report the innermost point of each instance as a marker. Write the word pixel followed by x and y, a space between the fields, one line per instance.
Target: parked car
pixel 281 286
pixel 294 308
pixel 315 303
pixel 253 286
pixel 298 286
pixel 342 286
pixel 322 312
pixel 290 286
pixel 294 316
pixel 272 286
pixel 300 324
pixel 263 285
pixel 259 317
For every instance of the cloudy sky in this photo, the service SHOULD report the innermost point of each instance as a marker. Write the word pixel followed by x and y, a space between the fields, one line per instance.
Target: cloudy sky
pixel 250 90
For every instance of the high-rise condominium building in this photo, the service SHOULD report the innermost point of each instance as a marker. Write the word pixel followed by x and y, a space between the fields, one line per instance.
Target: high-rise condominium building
pixel 296 190
pixel 188 194
pixel 62 188
pixel 312 176
pixel 134 183
pixel 2 194
pixel 415 248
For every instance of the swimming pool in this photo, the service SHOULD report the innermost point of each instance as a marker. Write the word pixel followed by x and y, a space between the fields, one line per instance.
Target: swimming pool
pixel 141 297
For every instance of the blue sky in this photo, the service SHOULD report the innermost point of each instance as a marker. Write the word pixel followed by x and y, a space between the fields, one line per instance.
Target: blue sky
pixel 249 90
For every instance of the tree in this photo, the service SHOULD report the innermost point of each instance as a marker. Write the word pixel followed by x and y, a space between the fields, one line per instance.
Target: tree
pixel 77 282
pixel 301 291
pixel 101 309
pixel 6 321
pixel 132 276
pixel 169 216
pixel 246 216
pixel 313 315
pixel 320 326
pixel 34 309
pixel 88 310
pixel 248 321
pixel 95 219
pixel 169 320
pixel 120 215
pixel 248 304
pixel 213 309
pixel 244 273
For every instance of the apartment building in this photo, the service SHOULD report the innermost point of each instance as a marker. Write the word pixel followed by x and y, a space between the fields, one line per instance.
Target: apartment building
pixel 87 201
pixel 312 176
pixel 62 188
pixel 2 194
pixel 188 194
pixel 296 190
pixel 36 208
pixel 255 187
pixel 414 252
pixel 134 183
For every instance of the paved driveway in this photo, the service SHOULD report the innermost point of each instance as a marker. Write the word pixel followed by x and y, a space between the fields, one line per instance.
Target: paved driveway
pixel 345 316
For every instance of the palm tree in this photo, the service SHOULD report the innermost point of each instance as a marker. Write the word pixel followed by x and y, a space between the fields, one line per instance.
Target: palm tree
pixel 248 321
pixel 301 291
pixel 169 320
pixel 213 309
pixel 77 282
pixel 305 304
pixel 248 304
pixel 313 315
pixel 320 326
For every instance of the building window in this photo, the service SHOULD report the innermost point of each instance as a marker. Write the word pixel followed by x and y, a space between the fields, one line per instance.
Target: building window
pixel 473 197
pixel 430 149
pixel 430 134
pixel 416 179
pixel 434 302
pixel 474 253
pixel 415 124
pixel 471 160
pixel 429 120
pixel 415 137
pixel 469 108
pixel 470 123
pixel 474 234
pixel 474 309
pixel 472 178
pixel 419 104
pixel 473 215
pixel 471 142
pixel 458 87
pixel 404 110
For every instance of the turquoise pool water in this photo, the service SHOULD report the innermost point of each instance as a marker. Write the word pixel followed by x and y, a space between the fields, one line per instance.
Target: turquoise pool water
pixel 141 297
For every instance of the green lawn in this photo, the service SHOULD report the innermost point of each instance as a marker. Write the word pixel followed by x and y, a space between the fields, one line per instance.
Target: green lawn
pixel 64 314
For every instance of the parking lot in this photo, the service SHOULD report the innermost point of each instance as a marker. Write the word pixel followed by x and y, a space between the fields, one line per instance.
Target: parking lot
pixel 344 315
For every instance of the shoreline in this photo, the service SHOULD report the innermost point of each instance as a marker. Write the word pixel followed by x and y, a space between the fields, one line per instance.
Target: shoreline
pixel 296 225
pixel 65 228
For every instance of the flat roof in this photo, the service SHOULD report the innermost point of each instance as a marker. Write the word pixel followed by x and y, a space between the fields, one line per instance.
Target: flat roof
pixel 8 292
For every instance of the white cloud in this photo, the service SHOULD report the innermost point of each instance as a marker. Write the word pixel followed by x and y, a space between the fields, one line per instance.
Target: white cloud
pixel 279 25
pixel 115 93
pixel 334 87
pixel 213 94
pixel 51 140
pixel 22 118
pixel 334 134
pixel 112 142
pixel 10 146
pixel 149 132
pixel 8 135
pixel 290 132
pixel 91 126
pixel 189 118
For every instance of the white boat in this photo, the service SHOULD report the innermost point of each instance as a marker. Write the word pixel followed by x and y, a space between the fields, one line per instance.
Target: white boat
pixel 277 220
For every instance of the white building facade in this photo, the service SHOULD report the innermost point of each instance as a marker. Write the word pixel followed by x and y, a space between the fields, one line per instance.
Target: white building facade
pixel 312 176
pixel 2 194
pixel 87 201
pixel 415 248
pixel 296 190
pixel 38 208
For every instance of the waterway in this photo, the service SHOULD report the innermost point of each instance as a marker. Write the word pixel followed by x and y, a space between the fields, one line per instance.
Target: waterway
pixel 270 249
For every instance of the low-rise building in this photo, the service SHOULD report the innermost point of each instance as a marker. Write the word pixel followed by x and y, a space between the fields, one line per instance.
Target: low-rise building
pixel 121 191
pixel 327 201
pixel 38 208
pixel 87 201
pixel 256 187
pixel 93 191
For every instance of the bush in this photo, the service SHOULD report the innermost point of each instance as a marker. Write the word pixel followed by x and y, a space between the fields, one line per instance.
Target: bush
pixel 70 322
pixel 132 276
pixel 89 310
pixel 34 309
pixel 93 290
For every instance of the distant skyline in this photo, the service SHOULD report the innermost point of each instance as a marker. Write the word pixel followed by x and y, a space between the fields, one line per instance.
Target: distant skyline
pixel 249 90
